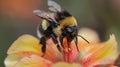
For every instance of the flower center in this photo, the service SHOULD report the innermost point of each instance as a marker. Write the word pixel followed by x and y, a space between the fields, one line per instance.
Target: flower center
pixel 67 51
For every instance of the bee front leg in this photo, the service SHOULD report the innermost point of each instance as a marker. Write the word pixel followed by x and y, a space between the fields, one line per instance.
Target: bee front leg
pixel 61 40
pixel 54 38
pixel 43 43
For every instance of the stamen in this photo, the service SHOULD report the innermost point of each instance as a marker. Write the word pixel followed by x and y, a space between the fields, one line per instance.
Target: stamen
pixel 67 52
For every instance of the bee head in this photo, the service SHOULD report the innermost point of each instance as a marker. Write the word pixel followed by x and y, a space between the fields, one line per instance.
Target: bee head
pixel 70 32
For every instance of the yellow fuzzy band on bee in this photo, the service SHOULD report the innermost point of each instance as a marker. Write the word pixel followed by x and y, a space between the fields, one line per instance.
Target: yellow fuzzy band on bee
pixel 57 30
pixel 68 21
pixel 44 24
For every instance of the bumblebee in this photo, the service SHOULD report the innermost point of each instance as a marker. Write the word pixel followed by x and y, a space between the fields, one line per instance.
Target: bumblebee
pixel 57 23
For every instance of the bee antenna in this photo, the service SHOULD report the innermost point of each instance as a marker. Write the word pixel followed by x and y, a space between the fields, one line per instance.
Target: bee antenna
pixel 84 38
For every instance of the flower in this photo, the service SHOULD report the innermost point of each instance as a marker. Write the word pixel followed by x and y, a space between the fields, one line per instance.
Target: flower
pixel 26 52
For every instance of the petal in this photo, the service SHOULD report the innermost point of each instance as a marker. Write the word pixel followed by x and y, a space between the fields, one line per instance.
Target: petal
pixel 52 52
pixel 33 61
pixel 29 44
pixel 89 34
pixel 104 53
pixel 63 64
pixel 25 43
pixel 12 59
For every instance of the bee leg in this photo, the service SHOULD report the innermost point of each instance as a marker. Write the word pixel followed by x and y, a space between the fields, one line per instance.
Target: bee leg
pixel 68 42
pixel 61 40
pixel 54 38
pixel 43 43
pixel 76 43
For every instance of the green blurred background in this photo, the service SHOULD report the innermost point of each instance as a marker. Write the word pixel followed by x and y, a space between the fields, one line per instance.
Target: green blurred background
pixel 16 18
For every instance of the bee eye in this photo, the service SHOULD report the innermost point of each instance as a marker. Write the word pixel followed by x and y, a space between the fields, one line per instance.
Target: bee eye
pixel 70 30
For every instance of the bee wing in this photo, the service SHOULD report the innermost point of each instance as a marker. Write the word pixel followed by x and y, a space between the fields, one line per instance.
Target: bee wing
pixel 45 15
pixel 53 6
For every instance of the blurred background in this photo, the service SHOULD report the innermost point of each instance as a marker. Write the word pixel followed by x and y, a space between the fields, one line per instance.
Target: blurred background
pixel 17 18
